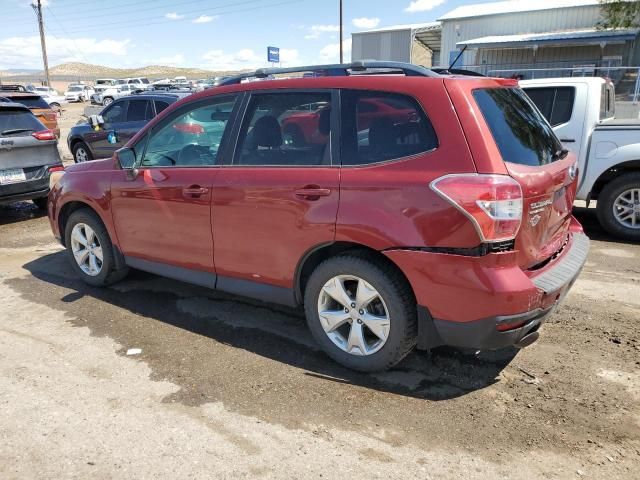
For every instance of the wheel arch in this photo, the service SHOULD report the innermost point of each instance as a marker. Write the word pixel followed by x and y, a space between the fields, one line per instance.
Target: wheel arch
pixel 73 206
pixel 611 174
pixel 318 254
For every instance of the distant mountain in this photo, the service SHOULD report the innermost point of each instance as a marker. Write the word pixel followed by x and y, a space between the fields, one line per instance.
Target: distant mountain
pixel 86 71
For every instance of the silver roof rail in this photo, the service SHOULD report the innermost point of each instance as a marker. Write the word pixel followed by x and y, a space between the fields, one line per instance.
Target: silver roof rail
pixel 336 70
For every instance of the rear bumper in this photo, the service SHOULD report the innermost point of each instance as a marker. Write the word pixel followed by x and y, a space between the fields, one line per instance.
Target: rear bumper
pixel 36 186
pixel 487 303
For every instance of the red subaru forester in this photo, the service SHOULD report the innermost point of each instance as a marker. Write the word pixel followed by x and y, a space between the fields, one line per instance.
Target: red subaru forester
pixel 401 207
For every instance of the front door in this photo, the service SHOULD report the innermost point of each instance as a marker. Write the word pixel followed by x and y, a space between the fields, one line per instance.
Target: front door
pixel 279 197
pixel 163 215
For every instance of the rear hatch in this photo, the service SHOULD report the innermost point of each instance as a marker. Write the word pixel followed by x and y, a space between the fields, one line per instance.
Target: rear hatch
pixel 20 151
pixel 529 151
pixel 39 107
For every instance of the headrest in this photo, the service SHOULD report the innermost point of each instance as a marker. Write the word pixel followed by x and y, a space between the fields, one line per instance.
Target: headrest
pixel 267 133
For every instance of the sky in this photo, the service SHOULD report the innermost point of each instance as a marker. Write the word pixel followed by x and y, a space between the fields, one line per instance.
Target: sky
pixel 209 34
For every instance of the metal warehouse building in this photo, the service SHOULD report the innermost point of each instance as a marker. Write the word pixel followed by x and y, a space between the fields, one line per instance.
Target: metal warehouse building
pixel 528 38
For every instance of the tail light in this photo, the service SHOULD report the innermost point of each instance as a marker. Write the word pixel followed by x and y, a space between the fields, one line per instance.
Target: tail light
pixel 44 135
pixel 492 202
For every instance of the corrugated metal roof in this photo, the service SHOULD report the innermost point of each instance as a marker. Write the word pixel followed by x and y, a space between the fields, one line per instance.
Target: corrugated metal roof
pixel 555 37
pixel 410 26
pixel 512 6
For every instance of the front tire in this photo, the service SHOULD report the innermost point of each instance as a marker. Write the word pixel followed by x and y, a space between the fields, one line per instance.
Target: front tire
pixel 619 207
pixel 361 311
pixel 107 101
pixel 90 250
pixel 81 153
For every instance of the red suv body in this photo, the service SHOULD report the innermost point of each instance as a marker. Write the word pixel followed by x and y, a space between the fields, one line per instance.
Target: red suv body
pixel 442 218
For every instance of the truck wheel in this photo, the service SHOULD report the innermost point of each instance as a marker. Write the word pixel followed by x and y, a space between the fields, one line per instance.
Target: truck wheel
pixel 107 101
pixel 81 153
pixel 90 250
pixel 619 207
pixel 361 312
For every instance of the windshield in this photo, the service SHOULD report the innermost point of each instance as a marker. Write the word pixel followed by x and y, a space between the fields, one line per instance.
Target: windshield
pixel 18 123
pixel 522 134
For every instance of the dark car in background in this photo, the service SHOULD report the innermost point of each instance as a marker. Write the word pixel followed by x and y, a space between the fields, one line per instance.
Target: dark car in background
pixel 122 120
pixel 28 155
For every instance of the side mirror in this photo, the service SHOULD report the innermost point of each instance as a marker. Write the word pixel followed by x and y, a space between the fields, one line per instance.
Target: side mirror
pixel 126 158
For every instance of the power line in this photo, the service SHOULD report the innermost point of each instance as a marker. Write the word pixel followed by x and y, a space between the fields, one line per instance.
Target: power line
pixel 77 49
pixel 142 24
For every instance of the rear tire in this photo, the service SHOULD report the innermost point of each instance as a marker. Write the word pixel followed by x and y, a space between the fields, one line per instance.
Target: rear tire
pixel 81 153
pixel 87 224
pixel 382 348
pixel 107 101
pixel 623 192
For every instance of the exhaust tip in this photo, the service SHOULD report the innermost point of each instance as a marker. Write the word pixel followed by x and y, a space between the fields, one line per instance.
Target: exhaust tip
pixel 528 340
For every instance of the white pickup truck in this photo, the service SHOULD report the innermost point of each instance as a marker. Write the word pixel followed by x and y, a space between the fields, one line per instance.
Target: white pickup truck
pixel 581 112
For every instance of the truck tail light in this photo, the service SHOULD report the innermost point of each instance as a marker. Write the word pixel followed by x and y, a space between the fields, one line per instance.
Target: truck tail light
pixel 44 135
pixel 492 202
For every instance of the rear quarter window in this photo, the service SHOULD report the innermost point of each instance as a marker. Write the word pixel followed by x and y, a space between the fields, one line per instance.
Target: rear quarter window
pixel 521 133
pixel 555 103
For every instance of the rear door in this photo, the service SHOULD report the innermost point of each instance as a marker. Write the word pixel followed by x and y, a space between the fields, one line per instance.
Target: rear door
pixel 279 197
pixel 535 158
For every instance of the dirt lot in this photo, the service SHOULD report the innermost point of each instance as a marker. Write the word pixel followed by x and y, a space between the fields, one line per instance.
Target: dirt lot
pixel 230 388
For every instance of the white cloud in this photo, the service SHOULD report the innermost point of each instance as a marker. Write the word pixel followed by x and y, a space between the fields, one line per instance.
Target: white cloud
pixel 24 52
pixel 205 18
pixel 174 16
pixel 245 59
pixel 316 30
pixel 364 22
pixel 423 5
pixel 331 53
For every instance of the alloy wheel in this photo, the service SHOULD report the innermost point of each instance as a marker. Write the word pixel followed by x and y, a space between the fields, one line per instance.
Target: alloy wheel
pixel 626 208
pixel 353 315
pixel 86 249
pixel 81 155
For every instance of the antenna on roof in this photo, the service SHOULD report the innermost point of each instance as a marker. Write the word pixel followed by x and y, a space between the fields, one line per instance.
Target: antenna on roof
pixel 458 57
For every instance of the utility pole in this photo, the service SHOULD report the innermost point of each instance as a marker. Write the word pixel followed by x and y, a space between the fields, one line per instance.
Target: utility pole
pixel 38 9
pixel 341 57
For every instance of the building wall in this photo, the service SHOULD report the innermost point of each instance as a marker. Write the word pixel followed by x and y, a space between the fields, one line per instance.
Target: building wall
pixel 391 46
pixel 421 55
pixel 514 23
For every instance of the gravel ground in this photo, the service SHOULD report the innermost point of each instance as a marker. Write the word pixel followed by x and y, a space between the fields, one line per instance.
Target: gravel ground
pixel 229 388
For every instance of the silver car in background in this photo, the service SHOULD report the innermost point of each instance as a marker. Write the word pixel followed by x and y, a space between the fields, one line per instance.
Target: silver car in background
pixel 28 156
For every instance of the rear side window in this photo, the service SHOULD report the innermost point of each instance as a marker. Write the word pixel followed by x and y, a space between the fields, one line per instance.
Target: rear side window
pixel 289 129
pixel 523 136
pixel 555 103
pixel 18 123
pixel 380 126
pixel 139 110
pixel 35 101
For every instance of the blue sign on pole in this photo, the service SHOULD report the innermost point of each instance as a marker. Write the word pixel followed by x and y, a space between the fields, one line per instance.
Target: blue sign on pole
pixel 273 54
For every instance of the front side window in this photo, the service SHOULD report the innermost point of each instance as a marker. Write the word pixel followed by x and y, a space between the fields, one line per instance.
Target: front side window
pixel 288 129
pixel 522 135
pixel 160 106
pixel 192 139
pixel 381 126
pixel 115 113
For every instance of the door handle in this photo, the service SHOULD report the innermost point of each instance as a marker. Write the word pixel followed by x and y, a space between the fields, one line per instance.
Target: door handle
pixel 195 191
pixel 567 140
pixel 312 192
